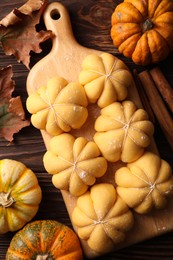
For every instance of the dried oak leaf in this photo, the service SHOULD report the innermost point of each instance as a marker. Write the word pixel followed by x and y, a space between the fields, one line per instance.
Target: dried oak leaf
pixel 18 34
pixel 12 115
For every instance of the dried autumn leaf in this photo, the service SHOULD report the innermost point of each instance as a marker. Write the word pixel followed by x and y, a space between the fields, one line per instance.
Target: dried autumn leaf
pixel 18 34
pixel 6 84
pixel 12 115
pixel 27 8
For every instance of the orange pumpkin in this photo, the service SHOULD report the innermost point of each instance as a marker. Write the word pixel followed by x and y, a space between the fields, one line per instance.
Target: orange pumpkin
pixel 143 30
pixel 45 239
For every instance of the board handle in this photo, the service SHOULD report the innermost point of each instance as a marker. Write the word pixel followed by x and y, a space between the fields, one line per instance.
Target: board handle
pixel 57 19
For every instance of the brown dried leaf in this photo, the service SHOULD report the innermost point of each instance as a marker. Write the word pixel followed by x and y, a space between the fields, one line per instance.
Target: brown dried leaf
pixel 18 33
pixel 12 115
pixel 27 9
pixel 6 83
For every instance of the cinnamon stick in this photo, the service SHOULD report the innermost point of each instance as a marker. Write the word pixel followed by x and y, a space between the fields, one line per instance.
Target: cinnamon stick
pixel 163 86
pixel 158 106
pixel 143 96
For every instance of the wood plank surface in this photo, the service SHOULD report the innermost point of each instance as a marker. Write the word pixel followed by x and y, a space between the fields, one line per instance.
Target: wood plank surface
pixel 91 25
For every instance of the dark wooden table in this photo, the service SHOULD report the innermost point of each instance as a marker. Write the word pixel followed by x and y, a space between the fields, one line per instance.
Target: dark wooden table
pixel 91 26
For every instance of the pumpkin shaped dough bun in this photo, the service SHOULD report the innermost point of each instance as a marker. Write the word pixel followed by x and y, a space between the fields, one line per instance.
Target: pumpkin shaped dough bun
pixel 102 218
pixel 145 183
pixel 58 107
pixel 74 163
pixel 123 131
pixel 105 79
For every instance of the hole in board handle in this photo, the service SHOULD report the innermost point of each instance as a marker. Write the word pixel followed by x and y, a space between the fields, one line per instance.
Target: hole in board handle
pixel 55 15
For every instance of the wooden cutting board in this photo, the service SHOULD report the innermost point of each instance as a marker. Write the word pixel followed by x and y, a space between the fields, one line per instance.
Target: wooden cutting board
pixel 65 60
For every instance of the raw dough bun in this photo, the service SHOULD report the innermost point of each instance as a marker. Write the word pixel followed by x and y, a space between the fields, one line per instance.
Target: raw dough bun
pixel 58 107
pixel 145 183
pixel 74 163
pixel 105 79
pixel 102 218
pixel 123 131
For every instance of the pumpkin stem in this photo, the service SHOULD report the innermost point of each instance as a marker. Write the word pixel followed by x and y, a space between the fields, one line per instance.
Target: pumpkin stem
pixel 42 257
pixel 147 25
pixel 6 200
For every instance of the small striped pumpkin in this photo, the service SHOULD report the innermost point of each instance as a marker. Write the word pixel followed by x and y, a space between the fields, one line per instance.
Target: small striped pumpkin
pixel 45 240
pixel 20 195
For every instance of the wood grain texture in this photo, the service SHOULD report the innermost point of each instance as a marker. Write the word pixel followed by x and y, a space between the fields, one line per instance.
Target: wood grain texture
pixel 91 25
